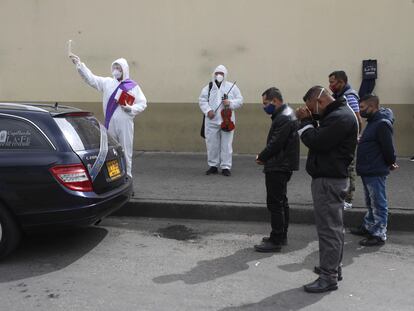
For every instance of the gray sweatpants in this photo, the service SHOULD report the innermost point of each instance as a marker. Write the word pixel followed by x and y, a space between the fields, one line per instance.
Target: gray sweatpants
pixel 328 200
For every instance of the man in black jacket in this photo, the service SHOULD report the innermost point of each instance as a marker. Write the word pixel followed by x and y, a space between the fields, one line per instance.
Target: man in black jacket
pixel 280 157
pixel 329 129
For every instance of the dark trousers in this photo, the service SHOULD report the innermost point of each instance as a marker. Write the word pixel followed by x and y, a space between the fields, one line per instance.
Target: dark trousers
pixel 277 204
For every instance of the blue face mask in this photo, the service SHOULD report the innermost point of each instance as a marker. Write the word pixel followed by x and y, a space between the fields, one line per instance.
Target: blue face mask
pixel 269 109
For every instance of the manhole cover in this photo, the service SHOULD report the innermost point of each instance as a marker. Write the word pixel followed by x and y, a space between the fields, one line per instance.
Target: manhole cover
pixel 178 232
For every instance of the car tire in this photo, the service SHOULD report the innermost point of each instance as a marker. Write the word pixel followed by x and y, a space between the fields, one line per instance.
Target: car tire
pixel 10 233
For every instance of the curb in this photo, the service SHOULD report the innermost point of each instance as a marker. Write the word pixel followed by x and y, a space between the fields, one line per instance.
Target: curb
pixel 300 214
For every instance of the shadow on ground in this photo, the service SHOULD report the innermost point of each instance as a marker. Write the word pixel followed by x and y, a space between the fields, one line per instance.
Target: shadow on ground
pixel 292 300
pixel 352 250
pixel 44 253
pixel 208 270
pixel 297 299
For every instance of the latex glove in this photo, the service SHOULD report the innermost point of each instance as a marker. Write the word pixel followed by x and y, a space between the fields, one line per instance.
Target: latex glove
pixel 75 59
pixel 126 108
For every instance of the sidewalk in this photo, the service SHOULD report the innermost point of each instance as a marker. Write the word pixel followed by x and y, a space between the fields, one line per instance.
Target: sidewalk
pixel 174 185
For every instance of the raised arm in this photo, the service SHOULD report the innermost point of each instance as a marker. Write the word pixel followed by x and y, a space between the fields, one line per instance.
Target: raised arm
pixel 94 81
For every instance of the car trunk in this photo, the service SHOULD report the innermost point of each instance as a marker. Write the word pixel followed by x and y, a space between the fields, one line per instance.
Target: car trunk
pixel 82 132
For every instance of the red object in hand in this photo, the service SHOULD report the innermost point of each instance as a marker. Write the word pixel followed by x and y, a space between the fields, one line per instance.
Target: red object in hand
pixel 123 98
pixel 227 125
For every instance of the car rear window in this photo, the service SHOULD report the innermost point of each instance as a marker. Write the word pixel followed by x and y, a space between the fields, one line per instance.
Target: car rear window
pixel 82 132
pixel 17 134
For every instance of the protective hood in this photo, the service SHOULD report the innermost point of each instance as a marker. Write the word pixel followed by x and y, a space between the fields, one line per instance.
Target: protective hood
pixel 125 68
pixel 383 113
pixel 222 69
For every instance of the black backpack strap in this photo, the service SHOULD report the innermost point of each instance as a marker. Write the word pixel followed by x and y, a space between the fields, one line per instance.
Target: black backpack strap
pixel 210 86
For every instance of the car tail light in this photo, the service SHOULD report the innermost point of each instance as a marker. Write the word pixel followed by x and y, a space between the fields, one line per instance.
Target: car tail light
pixel 74 177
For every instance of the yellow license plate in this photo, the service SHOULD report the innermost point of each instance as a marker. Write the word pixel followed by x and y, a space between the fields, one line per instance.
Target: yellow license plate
pixel 113 169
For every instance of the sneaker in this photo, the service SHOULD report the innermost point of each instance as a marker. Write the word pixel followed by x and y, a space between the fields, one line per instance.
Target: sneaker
pixel 412 159
pixel 225 172
pixel 212 170
pixel 347 205
pixel 372 241
pixel 359 231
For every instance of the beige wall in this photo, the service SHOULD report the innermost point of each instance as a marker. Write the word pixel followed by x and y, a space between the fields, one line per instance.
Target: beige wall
pixel 176 127
pixel 173 45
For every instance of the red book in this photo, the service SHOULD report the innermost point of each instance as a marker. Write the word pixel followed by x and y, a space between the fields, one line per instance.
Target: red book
pixel 123 98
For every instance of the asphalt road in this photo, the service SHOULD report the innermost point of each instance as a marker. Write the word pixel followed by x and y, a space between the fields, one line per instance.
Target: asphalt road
pixel 160 264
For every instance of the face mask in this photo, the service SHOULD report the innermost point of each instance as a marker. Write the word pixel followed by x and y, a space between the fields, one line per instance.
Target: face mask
pixel 219 78
pixel 365 114
pixel 117 74
pixel 269 109
pixel 334 89
pixel 316 116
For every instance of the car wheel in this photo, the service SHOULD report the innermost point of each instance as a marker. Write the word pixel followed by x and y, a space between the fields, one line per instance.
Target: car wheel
pixel 9 232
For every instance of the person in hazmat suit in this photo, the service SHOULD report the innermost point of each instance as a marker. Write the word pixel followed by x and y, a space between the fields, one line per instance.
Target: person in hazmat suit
pixel 123 99
pixel 215 97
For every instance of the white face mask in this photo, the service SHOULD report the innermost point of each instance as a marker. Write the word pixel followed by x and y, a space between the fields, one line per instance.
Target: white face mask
pixel 219 78
pixel 116 74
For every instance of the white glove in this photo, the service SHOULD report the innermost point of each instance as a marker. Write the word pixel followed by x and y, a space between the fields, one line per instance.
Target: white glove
pixel 75 59
pixel 126 108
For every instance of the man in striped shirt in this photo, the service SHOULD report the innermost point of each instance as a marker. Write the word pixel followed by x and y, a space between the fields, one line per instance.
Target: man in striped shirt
pixel 338 83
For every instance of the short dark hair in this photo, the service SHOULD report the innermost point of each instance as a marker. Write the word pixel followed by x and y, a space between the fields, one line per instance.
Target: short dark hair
pixel 272 93
pixel 312 92
pixel 339 75
pixel 371 99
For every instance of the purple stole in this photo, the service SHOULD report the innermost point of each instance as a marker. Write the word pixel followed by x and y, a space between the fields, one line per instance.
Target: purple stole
pixel 125 86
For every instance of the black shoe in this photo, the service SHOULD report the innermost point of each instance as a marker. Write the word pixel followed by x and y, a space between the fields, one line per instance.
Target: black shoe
pixel 372 241
pixel 212 170
pixel 268 247
pixel 318 271
pixel 412 159
pixel 320 286
pixel 225 172
pixel 359 231
pixel 283 242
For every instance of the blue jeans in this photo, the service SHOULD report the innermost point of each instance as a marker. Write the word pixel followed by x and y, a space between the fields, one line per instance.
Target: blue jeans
pixel 375 220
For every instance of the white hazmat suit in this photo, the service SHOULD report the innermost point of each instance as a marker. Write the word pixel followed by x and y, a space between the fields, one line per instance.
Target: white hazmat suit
pixel 121 125
pixel 218 142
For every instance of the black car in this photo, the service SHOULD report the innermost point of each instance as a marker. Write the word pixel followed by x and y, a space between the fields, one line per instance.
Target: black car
pixel 58 168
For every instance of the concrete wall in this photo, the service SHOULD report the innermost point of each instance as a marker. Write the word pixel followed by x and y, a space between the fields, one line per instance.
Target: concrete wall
pixel 173 45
